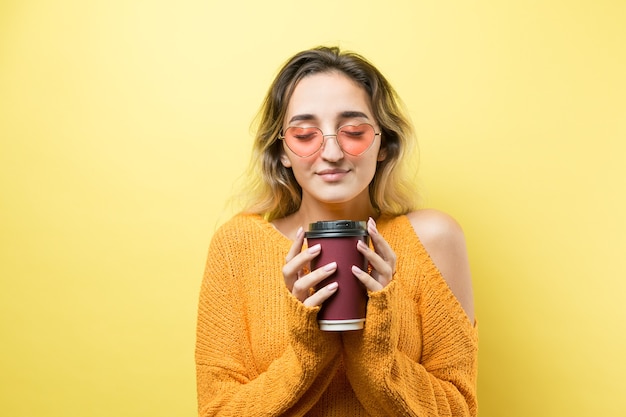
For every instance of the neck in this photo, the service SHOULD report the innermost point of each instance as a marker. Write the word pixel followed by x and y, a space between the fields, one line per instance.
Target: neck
pixel 310 212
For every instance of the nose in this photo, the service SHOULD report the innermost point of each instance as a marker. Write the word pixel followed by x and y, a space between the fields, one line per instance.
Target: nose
pixel 331 151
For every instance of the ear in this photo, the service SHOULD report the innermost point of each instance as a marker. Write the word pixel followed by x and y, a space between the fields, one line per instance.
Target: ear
pixel 284 159
pixel 382 154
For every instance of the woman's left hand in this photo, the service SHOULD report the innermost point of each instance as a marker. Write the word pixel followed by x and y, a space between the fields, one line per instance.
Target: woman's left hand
pixel 382 260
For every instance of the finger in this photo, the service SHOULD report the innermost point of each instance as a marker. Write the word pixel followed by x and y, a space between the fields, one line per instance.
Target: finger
pixel 297 259
pixel 380 244
pixel 366 279
pixel 321 295
pixel 301 288
pixel 296 246
pixel 292 270
pixel 382 269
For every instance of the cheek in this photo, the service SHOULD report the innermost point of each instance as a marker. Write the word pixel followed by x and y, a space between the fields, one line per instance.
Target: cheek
pixel 300 166
pixel 371 163
pixel 372 168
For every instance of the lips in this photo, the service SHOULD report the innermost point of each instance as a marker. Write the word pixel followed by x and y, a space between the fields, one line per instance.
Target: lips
pixel 332 174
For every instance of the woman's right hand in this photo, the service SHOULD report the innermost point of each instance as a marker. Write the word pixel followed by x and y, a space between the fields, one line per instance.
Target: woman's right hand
pixel 297 278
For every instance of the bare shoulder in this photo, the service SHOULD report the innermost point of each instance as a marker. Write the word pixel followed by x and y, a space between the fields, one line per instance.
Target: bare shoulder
pixel 435 227
pixel 444 240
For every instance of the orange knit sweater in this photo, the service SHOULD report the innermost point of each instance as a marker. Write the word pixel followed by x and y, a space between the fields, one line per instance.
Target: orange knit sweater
pixel 259 351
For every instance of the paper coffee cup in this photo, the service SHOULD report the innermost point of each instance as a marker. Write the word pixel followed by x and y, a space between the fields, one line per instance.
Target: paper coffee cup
pixel 344 310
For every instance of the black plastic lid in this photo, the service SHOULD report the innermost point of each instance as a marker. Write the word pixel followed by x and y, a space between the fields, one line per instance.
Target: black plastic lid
pixel 337 228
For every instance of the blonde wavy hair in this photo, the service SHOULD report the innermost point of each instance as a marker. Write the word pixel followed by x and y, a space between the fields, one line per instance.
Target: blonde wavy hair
pixel 272 190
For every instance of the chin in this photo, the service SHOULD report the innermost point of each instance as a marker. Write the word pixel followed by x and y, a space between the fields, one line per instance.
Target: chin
pixel 338 198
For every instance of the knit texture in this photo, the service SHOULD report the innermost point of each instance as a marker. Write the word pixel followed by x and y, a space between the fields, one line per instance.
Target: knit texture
pixel 259 351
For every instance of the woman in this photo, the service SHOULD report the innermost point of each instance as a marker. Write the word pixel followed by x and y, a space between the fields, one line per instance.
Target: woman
pixel 259 348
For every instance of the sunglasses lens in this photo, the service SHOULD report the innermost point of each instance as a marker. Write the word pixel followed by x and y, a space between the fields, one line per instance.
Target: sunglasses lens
pixel 356 139
pixel 304 141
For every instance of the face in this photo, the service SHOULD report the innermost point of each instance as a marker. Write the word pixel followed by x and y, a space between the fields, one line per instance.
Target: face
pixel 331 176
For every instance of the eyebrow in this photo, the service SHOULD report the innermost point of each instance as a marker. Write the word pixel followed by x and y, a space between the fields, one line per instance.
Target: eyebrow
pixel 343 115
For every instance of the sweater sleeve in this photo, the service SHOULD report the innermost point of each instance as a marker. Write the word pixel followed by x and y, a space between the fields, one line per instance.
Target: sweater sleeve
pixel 389 383
pixel 228 381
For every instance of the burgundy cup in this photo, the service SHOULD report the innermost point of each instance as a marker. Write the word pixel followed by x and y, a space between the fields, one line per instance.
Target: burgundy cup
pixel 344 310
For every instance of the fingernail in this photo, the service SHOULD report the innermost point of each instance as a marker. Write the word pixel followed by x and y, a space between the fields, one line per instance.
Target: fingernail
pixel 299 232
pixel 314 248
pixel 330 267
pixel 356 270
pixel 372 224
pixel 332 286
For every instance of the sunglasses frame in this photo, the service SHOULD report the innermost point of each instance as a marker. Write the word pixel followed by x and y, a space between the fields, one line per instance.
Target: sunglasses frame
pixel 281 136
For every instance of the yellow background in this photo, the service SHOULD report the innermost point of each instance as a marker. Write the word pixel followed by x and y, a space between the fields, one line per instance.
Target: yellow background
pixel 125 123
